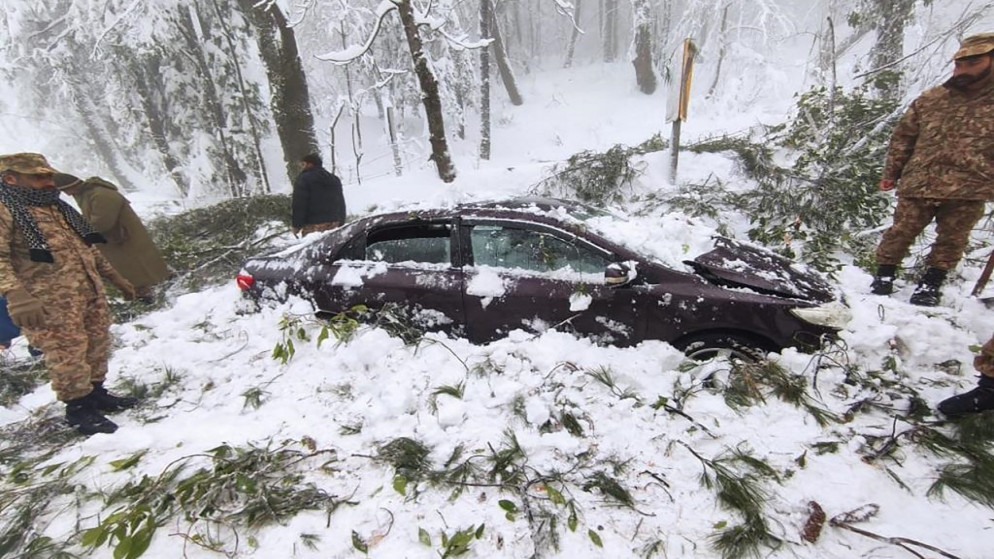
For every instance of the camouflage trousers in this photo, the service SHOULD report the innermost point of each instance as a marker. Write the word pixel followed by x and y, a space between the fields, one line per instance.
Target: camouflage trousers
pixel 75 339
pixel 954 220
pixel 316 227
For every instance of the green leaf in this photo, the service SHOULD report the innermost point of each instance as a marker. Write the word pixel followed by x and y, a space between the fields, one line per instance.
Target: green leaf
pixel 554 495
pixel 400 484
pixel 720 525
pixel 323 335
pixel 507 505
pixel 424 537
pixel 572 520
pixel 358 543
pixel 130 461
pixel 595 537
pixel 94 537
pixel 142 539
pixel 123 548
pixel 479 531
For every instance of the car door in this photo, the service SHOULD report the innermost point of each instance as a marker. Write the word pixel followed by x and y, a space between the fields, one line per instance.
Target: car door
pixel 535 277
pixel 405 266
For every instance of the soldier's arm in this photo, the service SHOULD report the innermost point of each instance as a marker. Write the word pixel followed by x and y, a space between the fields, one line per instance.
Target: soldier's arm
pixel 902 144
pixel 8 281
pixel 104 267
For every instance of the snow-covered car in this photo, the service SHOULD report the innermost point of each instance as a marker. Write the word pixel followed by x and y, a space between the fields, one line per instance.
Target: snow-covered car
pixel 481 270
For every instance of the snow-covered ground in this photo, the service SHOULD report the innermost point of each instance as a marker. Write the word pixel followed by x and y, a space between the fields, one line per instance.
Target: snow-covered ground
pixel 350 399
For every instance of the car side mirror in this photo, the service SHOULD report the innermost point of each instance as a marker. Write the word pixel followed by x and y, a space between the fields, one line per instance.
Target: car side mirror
pixel 619 273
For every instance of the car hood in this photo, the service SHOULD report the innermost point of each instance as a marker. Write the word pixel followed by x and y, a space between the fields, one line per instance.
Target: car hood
pixel 736 264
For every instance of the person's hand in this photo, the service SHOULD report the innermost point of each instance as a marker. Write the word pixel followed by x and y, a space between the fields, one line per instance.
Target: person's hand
pixel 887 185
pixel 123 285
pixel 25 310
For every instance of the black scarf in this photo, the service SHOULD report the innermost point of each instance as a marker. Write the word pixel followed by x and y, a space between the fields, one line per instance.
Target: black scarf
pixel 17 198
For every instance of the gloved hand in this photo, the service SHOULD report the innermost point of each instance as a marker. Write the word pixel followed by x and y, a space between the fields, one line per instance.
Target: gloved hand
pixel 123 285
pixel 25 310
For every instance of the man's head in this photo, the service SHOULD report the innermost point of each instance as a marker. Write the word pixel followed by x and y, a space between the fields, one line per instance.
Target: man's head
pixel 67 183
pixel 972 62
pixel 310 160
pixel 29 170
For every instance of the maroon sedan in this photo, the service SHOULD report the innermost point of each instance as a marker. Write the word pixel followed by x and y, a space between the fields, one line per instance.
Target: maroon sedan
pixel 483 270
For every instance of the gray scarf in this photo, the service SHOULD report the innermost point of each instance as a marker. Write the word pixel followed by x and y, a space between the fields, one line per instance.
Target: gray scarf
pixel 18 198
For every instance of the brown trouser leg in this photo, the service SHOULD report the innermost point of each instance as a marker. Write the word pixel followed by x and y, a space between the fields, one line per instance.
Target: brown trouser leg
pixel 954 222
pixel 316 227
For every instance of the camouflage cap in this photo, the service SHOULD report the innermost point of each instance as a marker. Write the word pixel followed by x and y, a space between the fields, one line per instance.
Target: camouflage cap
pixel 26 163
pixel 974 45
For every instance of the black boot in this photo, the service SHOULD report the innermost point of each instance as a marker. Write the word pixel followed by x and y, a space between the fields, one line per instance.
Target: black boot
pixel 979 399
pixel 81 414
pixel 107 402
pixel 927 293
pixel 883 281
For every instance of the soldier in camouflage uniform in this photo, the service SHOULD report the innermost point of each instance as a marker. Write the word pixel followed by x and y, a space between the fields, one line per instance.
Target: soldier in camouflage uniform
pixel 941 160
pixel 51 277
pixel 980 398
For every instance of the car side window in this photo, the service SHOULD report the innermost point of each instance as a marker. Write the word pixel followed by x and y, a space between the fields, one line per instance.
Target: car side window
pixel 537 251
pixel 429 244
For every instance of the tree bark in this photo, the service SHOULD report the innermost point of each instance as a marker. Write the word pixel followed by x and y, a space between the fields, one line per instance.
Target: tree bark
pixel 486 18
pixel 892 15
pixel 721 51
pixel 574 35
pixel 503 66
pixel 429 93
pixel 290 100
pixel 644 75
pixel 142 74
pixel 260 172
pixel 234 176
pixel 610 30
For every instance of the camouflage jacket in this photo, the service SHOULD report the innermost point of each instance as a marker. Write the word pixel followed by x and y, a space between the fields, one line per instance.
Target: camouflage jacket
pixel 943 147
pixel 76 264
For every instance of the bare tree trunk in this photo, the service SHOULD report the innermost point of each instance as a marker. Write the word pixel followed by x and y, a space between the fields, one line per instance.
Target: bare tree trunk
pixel 892 15
pixel 721 50
pixel 398 164
pixel 833 78
pixel 429 94
pixel 574 35
pixel 234 176
pixel 98 135
pixel 486 18
pixel 503 66
pixel 157 128
pixel 644 74
pixel 610 30
pixel 261 172
pixel 290 100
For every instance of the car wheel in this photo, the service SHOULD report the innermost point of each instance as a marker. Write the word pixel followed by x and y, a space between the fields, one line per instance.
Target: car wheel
pixel 711 345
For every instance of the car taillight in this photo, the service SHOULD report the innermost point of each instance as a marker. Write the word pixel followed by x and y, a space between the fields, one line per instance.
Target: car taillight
pixel 244 281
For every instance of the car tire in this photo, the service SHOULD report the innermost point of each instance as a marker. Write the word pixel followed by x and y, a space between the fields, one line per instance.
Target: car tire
pixel 711 345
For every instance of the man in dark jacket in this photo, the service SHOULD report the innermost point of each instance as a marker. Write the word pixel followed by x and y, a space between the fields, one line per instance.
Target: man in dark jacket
pixel 941 161
pixel 318 203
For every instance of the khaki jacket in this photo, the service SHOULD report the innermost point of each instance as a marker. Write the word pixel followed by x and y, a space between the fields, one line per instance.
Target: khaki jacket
pixel 943 146
pixel 129 246
pixel 77 268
